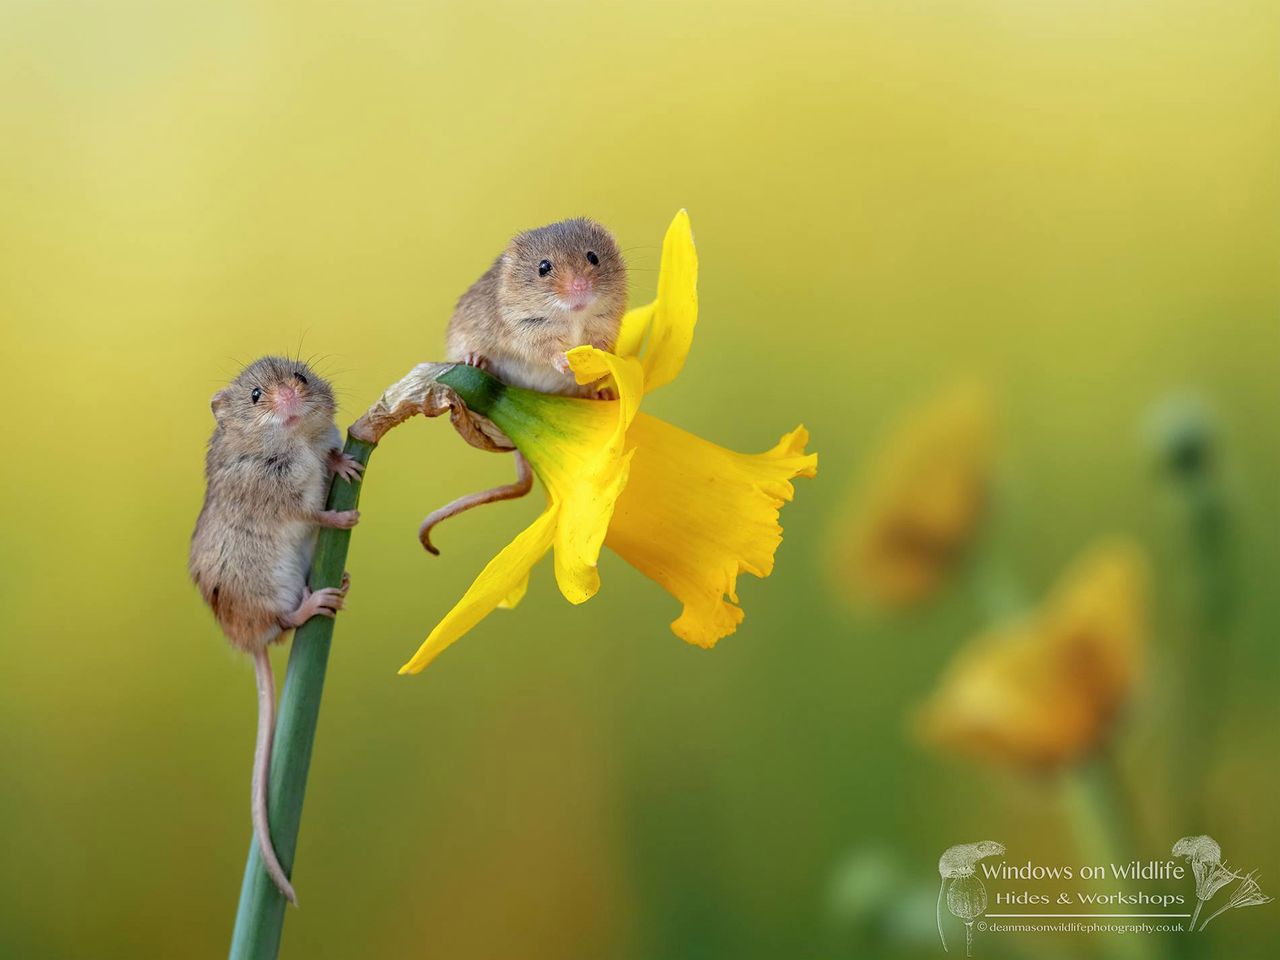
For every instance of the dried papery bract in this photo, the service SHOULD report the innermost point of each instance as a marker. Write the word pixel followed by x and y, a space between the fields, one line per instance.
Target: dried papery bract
pixel 421 392
pixel 967 900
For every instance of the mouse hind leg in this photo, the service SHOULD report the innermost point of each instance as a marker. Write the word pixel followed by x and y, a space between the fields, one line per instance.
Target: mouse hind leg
pixel 510 491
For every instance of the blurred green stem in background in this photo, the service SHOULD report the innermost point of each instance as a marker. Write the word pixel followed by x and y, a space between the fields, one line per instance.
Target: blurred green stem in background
pixel 260 917
pixel 1187 450
pixel 993 576
pixel 1104 832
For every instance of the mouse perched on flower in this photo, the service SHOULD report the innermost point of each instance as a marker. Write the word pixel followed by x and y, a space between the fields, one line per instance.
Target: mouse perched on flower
pixel 554 288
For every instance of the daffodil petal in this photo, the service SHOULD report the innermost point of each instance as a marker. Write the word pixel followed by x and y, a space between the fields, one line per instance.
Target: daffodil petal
pixel 635 324
pixel 920 507
pixel 504 578
pixel 668 321
pixel 1044 691
pixel 590 364
pixel 676 309
pixel 578 450
pixel 694 515
pixel 588 492
pixel 512 599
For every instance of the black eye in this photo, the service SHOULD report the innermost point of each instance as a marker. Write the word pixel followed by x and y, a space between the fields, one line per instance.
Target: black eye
pixel 544 268
pixel 592 258
pixel 256 395
pixel 301 379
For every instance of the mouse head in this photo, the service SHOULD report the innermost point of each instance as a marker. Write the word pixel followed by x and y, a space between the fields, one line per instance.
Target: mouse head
pixel 959 861
pixel 275 393
pixel 570 270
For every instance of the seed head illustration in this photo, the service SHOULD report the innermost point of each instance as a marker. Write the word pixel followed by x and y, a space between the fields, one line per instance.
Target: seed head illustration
pixel 967 900
pixel 957 865
pixel 1246 894
pixel 1205 857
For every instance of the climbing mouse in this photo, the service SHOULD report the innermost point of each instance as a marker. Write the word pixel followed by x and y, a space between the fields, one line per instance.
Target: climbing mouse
pixel 268 470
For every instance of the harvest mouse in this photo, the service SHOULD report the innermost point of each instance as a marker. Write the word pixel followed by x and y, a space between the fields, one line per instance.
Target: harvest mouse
pixel 552 289
pixel 268 469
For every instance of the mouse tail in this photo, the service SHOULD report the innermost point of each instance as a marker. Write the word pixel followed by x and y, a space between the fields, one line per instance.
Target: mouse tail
pixel 261 769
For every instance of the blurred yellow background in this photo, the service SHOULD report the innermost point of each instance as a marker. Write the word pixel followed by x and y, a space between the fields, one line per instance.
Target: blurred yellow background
pixel 1074 202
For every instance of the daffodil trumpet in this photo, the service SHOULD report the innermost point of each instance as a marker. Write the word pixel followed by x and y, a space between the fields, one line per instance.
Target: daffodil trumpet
pixel 687 513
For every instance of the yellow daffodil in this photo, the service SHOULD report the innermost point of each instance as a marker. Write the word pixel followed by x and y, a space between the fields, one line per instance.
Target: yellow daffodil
pixel 1043 693
pixel 920 504
pixel 687 513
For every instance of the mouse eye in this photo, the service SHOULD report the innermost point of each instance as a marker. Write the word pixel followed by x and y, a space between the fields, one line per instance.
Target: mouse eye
pixel 544 268
pixel 592 258
pixel 256 395
pixel 300 378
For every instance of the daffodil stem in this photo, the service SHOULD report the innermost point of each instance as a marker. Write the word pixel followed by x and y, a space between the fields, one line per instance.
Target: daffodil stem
pixel 478 390
pixel 260 917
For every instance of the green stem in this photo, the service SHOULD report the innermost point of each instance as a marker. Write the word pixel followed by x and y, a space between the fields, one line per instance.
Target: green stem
pixel 1206 668
pixel 478 390
pixel 1103 833
pixel 260 917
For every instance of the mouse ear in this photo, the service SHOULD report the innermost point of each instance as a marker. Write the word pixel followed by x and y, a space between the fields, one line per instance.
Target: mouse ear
pixel 218 404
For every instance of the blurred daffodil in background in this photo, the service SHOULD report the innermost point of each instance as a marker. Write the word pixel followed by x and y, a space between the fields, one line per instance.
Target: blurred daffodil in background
pixel 1041 694
pixel 1044 691
pixel 684 511
pixel 921 502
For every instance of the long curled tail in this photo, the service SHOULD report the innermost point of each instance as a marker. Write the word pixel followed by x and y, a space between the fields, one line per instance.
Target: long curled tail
pixel 261 769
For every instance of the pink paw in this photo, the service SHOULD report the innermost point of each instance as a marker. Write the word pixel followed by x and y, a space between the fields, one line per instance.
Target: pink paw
pixel 561 363
pixel 606 393
pixel 347 467
pixel 322 603
pixel 339 519
pixel 476 360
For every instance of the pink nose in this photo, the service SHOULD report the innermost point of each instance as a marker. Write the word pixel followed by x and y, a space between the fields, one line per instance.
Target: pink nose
pixel 579 285
pixel 285 395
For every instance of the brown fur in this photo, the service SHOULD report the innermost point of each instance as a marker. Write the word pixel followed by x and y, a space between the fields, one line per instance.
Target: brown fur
pixel 252 545
pixel 519 324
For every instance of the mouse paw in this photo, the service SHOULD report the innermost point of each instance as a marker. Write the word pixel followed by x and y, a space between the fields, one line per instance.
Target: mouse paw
pixel 347 467
pixel 606 393
pixel 338 519
pixel 561 363
pixel 321 603
pixel 476 360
